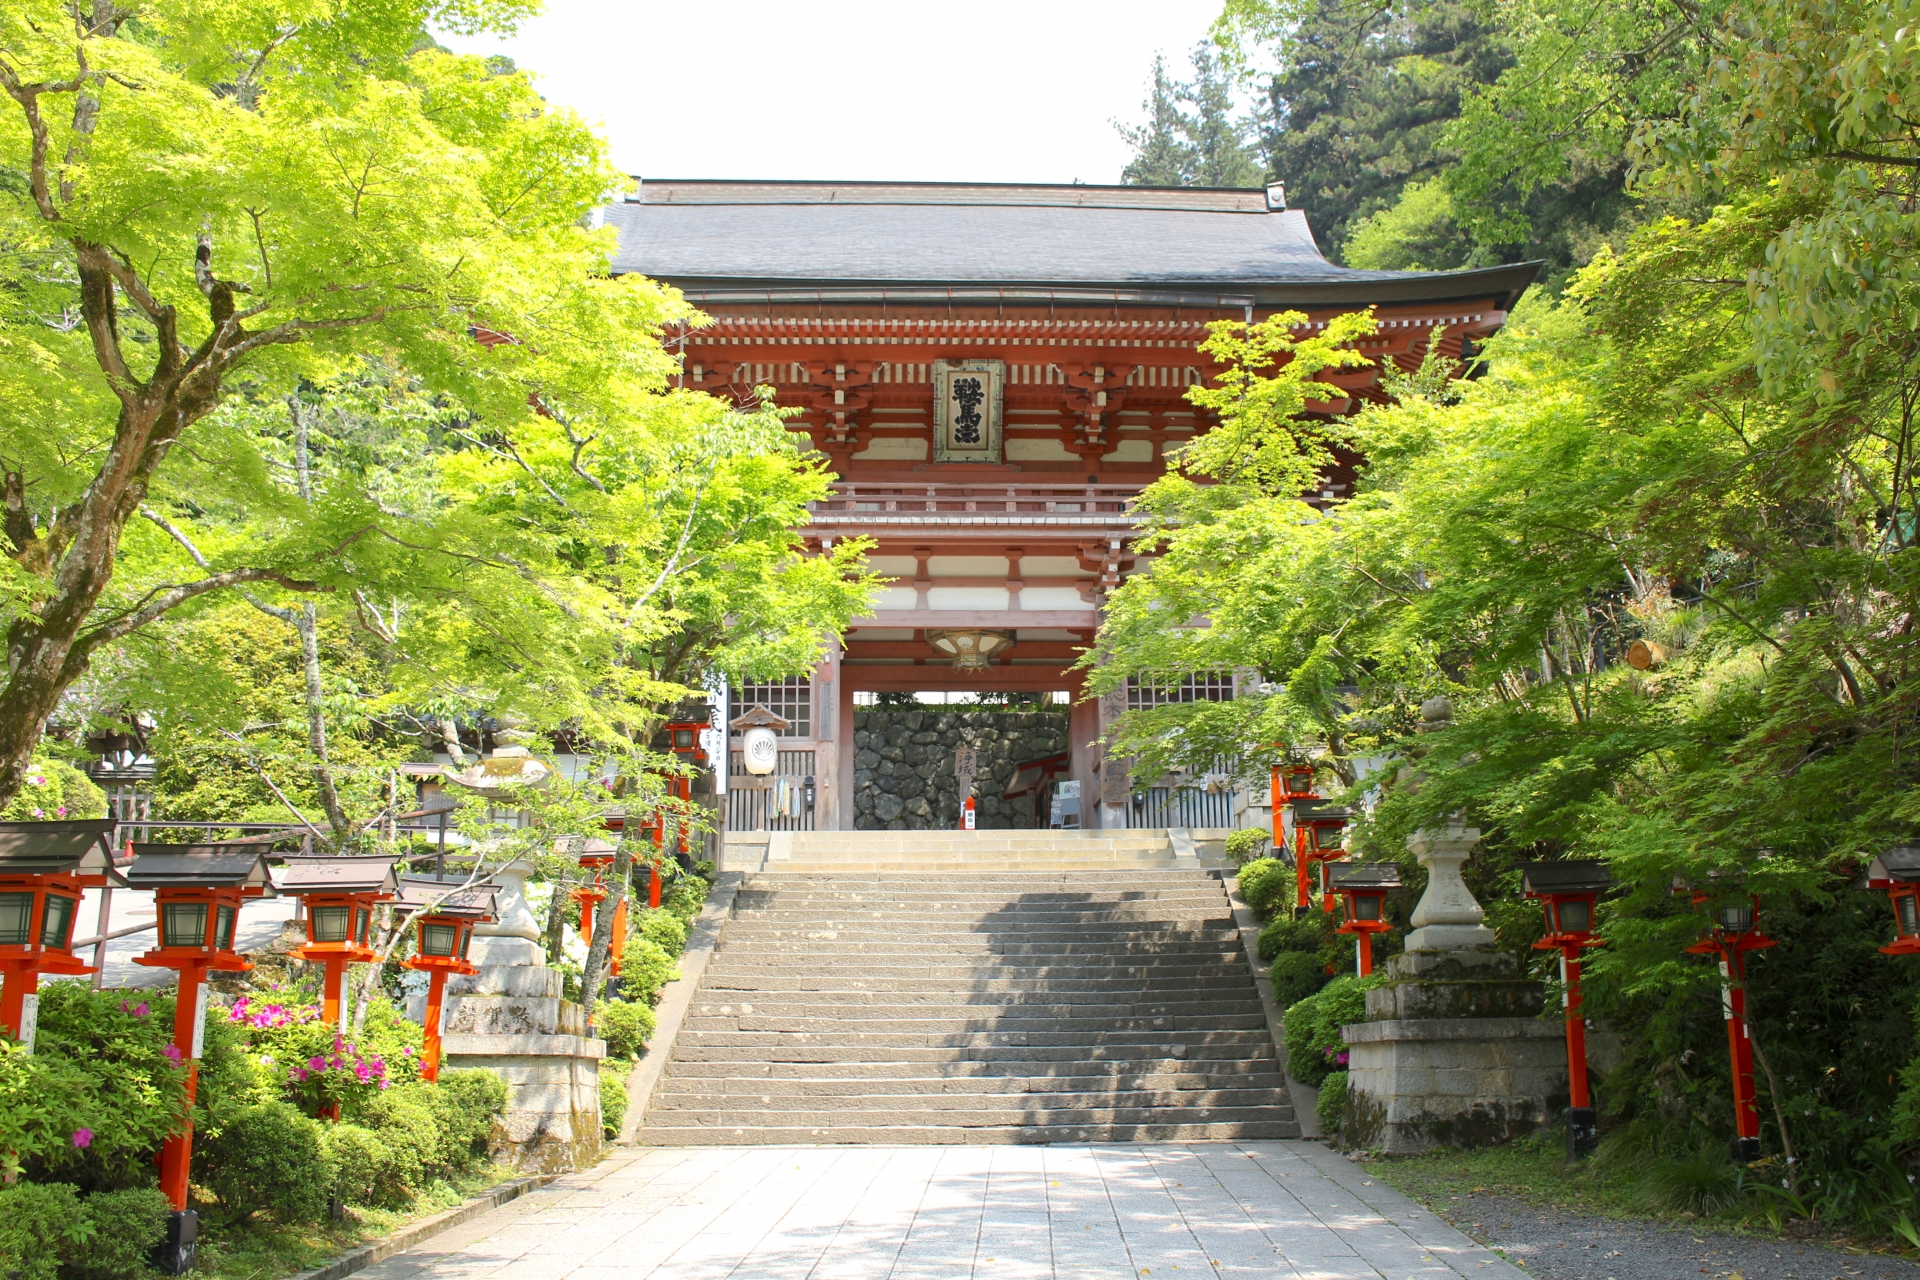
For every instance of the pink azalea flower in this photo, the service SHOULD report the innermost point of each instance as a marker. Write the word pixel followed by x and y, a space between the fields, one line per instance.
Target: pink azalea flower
pixel 408 1051
pixel 83 1138
pixel 140 1010
pixel 316 1064
pixel 174 1055
pixel 62 811
pixel 299 1076
pixel 39 813
pixel 362 1074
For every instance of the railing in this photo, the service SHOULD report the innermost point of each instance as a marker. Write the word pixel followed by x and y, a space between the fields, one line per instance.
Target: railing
pixel 989 499
pixel 1180 807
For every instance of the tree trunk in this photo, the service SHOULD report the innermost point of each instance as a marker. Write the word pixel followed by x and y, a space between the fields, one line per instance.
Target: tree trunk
pixel 556 932
pixel 603 924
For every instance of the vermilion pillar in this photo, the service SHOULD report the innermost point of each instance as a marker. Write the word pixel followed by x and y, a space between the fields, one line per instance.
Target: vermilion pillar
pixel 1733 1003
pixel 189 1022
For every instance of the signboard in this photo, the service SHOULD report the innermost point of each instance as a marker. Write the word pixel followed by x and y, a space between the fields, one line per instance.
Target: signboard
pixel 29 1020
pixel 716 745
pixel 967 398
pixel 200 1019
pixel 966 762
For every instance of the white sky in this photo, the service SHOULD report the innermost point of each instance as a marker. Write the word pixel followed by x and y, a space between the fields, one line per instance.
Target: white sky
pixel 895 90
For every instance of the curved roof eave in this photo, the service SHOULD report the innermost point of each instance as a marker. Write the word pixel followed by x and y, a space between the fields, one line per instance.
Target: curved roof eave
pixel 1506 283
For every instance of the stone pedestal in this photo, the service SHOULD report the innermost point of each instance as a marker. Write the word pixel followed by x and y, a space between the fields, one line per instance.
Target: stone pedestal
pixel 511 1019
pixel 1454 1051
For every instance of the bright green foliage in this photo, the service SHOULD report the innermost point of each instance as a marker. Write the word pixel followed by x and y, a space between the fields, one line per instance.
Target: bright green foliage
pixel 124 1227
pixel 613 1096
pixel 1287 933
pixel 98 1068
pixel 1332 1102
pixel 1246 845
pixel 626 1025
pixel 270 1158
pixel 1265 884
pixel 365 1169
pixel 1314 1046
pixel 645 967
pixel 664 927
pixel 1295 976
pixel 686 896
pixel 53 790
pixel 38 1223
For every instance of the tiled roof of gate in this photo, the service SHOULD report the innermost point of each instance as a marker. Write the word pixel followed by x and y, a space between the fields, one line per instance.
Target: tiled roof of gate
pixel 782 235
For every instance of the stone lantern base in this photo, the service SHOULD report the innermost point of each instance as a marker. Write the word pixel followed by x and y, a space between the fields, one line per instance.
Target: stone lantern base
pixel 1453 1054
pixel 512 1021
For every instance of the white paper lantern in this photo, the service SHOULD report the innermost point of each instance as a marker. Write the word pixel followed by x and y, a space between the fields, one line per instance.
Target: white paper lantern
pixel 761 749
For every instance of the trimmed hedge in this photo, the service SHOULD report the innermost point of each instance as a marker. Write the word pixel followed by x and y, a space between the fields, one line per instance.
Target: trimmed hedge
pixel 1332 1103
pixel 1295 976
pixel 626 1026
pixel 268 1157
pixel 1264 883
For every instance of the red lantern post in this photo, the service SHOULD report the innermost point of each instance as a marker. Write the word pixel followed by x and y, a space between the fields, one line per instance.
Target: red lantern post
pixel 444 912
pixel 595 857
pixel 197 892
pixel 1363 888
pixel 1567 892
pixel 1735 930
pixel 339 893
pixel 1897 872
pixel 1316 839
pixel 44 867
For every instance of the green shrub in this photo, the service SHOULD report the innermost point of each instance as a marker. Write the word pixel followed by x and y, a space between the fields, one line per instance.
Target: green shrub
pixel 626 1026
pixel 685 898
pixel 269 1157
pixel 1245 845
pixel 410 1126
pixel 100 1069
pixel 1314 1046
pixel 123 1228
pixel 39 1221
pixel 1333 1101
pixel 1296 975
pixel 366 1172
pixel 613 1096
pixel 1265 883
pixel 1285 933
pixel 665 928
pixel 467 1103
pixel 645 967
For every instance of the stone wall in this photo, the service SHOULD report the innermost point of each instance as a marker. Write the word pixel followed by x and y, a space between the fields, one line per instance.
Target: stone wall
pixel 903 765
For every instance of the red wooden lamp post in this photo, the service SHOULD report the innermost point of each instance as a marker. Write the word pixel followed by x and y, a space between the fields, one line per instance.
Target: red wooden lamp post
pixel 197 892
pixel 43 868
pixel 1288 782
pixel 1567 892
pixel 340 894
pixel 444 913
pixel 1897 871
pixel 596 857
pixel 1316 838
pixel 1734 930
pixel 1363 888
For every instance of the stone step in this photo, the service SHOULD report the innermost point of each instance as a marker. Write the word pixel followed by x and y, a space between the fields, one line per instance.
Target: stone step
pixel 853 1027
pixel 945 1036
pixel 1229 1005
pixel 869 1116
pixel 769 1048
pixel 1076 1091
pixel 1114 913
pixel 1153 1073
pixel 1105 988
pixel 1012 941
pixel 953 1135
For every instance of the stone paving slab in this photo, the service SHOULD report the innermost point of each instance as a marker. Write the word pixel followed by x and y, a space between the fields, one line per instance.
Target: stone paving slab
pixel 1283 1210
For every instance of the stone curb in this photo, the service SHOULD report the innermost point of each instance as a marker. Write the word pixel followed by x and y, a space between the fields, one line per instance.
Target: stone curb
pixel 408 1236
pixel 702 941
pixel 1305 1097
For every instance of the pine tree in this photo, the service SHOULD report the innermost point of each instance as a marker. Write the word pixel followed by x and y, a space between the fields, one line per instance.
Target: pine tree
pixel 1161 155
pixel 1191 137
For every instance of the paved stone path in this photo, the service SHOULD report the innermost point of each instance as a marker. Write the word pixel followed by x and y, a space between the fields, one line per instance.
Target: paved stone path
pixel 1289 1210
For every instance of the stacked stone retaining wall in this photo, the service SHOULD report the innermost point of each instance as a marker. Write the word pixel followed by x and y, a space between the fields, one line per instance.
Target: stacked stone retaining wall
pixel 903 766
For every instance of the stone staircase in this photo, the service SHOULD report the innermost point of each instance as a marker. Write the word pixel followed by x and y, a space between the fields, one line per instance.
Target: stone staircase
pixel 1147 849
pixel 965 1006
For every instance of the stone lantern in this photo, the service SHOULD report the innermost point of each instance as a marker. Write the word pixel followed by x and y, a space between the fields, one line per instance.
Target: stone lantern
pixel 44 866
pixel 340 894
pixel 1362 888
pixel 1567 892
pixel 444 914
pixel 197 891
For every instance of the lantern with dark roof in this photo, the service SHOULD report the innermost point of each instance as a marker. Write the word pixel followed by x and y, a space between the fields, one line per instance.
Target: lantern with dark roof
pixel 197 892
pixel 340 894
pixel 1362 888
pixel 444 910
pixel 44 866
pixel 1567 892
pixel 1897 871
pixel 1734 912
pixel 1316 839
